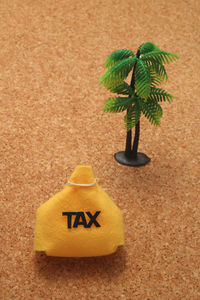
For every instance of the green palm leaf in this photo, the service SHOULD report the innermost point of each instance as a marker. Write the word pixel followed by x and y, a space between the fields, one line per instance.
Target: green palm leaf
pixel 144 96
pixel 152 111
pixel 142 79
pixel 160 57
pixel 118 55
pixel 118 104
pixel 148 47
pixel 124 89
pixel 160 95
pixel 133 116
pixel 118 72
pixel 154 77
pixel 159 70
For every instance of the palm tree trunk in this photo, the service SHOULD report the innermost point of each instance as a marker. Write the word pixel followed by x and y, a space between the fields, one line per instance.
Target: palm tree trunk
pixel 128 151
pixel 136 140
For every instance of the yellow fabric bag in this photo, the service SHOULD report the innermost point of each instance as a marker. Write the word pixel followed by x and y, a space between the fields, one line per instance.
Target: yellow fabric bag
pixel 81 220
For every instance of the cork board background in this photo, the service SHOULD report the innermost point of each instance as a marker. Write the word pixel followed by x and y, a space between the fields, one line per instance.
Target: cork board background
pixel 52 54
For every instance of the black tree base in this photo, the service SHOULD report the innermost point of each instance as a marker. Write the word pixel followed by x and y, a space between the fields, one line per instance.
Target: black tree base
pixel 141 159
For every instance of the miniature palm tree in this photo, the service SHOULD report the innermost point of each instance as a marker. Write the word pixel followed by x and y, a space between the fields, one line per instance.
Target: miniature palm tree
pixel 141 96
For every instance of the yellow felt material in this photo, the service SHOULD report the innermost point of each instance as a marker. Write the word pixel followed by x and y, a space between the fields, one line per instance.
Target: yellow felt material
pixel 52 234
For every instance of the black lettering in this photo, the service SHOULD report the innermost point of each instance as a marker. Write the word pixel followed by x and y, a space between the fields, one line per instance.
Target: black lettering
pixel 69 218
pixel 93 219
pixel 80 216
pixel 81 220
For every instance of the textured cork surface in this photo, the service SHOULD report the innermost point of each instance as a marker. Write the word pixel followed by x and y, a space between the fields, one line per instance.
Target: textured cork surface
pixel 51 56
